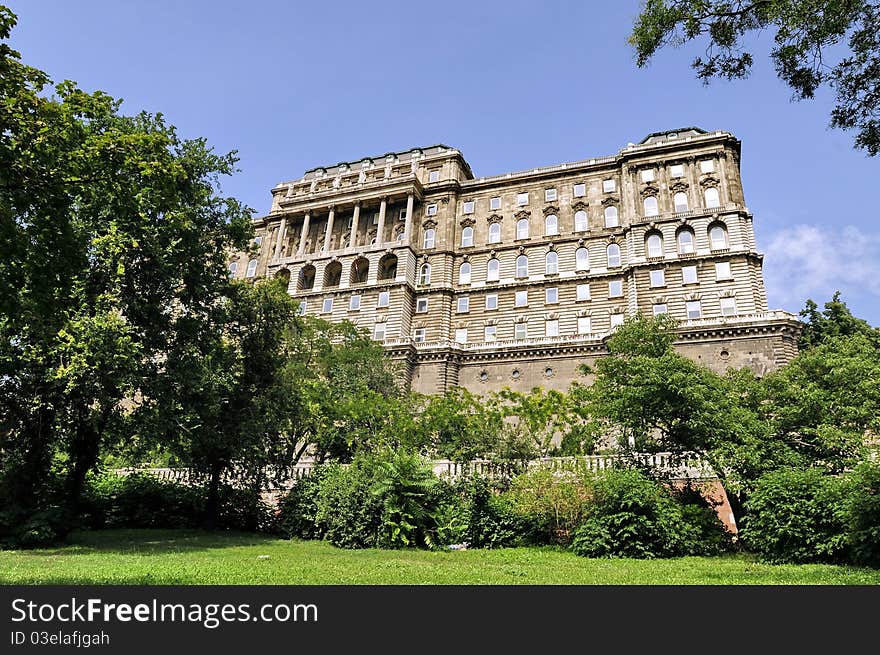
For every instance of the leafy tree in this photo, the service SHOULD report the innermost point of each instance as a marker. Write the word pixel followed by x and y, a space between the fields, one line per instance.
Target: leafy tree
pixel 835 321
pixel 807 35
pixel 460 425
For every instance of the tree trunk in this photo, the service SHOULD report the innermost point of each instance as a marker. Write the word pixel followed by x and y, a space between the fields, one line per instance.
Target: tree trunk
pixel 212 507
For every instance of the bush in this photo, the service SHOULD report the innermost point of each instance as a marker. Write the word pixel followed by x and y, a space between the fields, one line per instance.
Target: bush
pixel 298 510
pixel 491 519
pixel 797 515
pixel 552 503
pixel 348 514
pixel 863 514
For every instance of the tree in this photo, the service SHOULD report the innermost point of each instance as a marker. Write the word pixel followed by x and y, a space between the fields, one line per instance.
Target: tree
pixel 459 425
pixel 807 34
pixel 835 321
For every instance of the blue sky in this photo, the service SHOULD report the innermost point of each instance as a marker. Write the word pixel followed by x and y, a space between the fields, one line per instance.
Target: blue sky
pixel 512 84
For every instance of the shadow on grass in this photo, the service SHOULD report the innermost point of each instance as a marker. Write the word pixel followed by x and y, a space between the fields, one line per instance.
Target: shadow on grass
pixel 151 541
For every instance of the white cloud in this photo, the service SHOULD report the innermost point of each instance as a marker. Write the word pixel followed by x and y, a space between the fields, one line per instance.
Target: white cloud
pixel 806 261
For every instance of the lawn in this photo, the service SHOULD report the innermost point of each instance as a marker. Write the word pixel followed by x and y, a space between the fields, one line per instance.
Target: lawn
pixel 193 557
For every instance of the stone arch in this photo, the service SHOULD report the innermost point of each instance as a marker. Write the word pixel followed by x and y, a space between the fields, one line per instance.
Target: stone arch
pixel 388 267
pixel 360 268
pixel 333 274
pixel 306 280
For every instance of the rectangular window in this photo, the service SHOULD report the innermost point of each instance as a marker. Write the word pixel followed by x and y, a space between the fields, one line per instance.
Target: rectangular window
pixel 461 335
pixel 694 310
pixel 421 305
pixel 658 278
pixel 722 271
pixel 579 190
pixel 431 210
pixel 258 241
pixel 676 170
pixel 551 295
pixel 584 326
pixel 616 320
pixel 522 199
pixel 648 175
pixel 728 306
pixel 608 186
pixel 251 269
pixel 384 299
pixel 434 175
pixel 495 203
pixel 302 308
pixel 520 331
pixel 659 308
pixel 379 331
pixel 492 301
pixel 354 303
pixel 468 207
pixel 549 195
pixel 419 334
pixel 688 274
pixel 328 306
pixel 520 298
pixel 707 166
pixel 615 288
pixel 583 292
pixel 489 333
pixel 551 328
pixel 464 304
pixel 376 218
pixel 401 215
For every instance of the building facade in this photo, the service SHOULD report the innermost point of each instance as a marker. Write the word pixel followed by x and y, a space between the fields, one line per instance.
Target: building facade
pixel 515 280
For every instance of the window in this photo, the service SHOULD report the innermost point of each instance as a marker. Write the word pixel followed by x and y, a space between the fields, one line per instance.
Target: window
pixel 419 334
pixel 384 299
pixel 495 233
pixel 429 238
pixel 615 288
pixel 464 304
pixel 401 215
pixel 551 225
pixel 467 237
pixel 549 195
pixel 421 305
pixel 520 298
pixel 717 238
pixel 522 266
pixel 301 311
pixel 728 306
pixel 611 216
pixel 431 210
pixel 425 274
pixel 648 175
pixel 401 237
pixel 685 242
pixel 613 254
pixel 468 207
pixel 551 295
pixel 522 199
pixel 252 268
pixel 680 200
pixel 650 204
pixel 707 166
pixel 711 196
pixel 520 331
pixel 654 245
pixel 659 308
pixel 551 263
pixel 688 274
pixel 583 292
pixel 258 241
pixel 694 310
pixel 580 221
pixel 608 186
pixel 492 301
pixel 551 327
pixel 464 273
pixel 233 267
pixel 581 259
pixel 461 335
pixel 579 190
pixel 616 320
pixel 376 218
pixel 722 271
pixel 489 333
pixel 495 203
pixel 328 306
pixel 492 270
pixel 522 228
pixel 434 175
pixel 354 303
pixel 658 278
pixel 676 170
pixel 379 331
pixel 584 326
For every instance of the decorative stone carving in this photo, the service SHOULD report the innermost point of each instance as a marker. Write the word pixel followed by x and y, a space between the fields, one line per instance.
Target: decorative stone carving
pixel 522 214
pixel 580 205
pixel 429 224
pixel 709 180
pixel 494 218
pixel 678 186
pixel 649 190
pixel 467 222
pixel 550 209
pixel 610 200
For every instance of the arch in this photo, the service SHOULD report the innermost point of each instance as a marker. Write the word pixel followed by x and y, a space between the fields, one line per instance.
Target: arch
pixel 333 274
pixel 495 233
pixel 464 273
pixel 283 274
pixel 650 205
pixel 522 266
pixel 306 279
pixel 611 216
pixel 467 236
pixel 718 236
pixel 580 221
pixel 360 268
pixel 613 255
pixel 551 263
pixel 522 228
pixel 493 267
pixel 654 244
pixel 680 201
pixel 712 198
pixel 582 259
pixel 425 274
pixel 251 268
pixel 388 267
pixel 551 225
pixel 685 239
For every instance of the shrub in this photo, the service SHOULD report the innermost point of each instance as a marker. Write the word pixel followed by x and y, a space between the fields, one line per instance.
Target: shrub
pixel 552 503
pixel 298 510
pixel 491 519
pixel 797 515
pixel 404 483
pixel 863 514
pixel 348 514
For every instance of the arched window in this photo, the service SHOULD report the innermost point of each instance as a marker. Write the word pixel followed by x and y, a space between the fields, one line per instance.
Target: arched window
pixel 360 268
pixel 654 245
pixel 252 268
pixel 233 267
pixel 464 274
pixel 306 280
pixel 711 196
pixel 685 242
pixel 492 268
pixel 425 274
pixel 467 236
pixel 388 267
pixel 611 216
pixel 551 263
pixel 401 237
pixel 522 266
pixel 495 233
pixel 582 259
pixel 522 228
pixel 613 253
pixel 429 238
pixel 717 237
pixel 680 200
pixel 551 225
pixel 650 204
pixel 580 221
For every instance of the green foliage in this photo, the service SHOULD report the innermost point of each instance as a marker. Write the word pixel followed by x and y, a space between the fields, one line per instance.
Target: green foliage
pixel 836 320
pixel 863 514
pixel 348 514
pixel 298 509
pixel 459 425
pixel 492 521
pixel 552 504
pixel 816 43
pixel 405 484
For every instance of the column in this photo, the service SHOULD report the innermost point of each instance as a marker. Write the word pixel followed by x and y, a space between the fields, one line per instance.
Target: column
pixel 409 219
pixel 354 224
pixel 303 235
pixel 280 239
pixel 329 231
pixel 380 230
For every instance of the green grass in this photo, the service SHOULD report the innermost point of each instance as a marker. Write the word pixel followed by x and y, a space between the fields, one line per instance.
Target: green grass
pixel 193 557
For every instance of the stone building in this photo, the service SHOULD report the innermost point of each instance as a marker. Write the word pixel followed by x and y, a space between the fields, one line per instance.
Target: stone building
pixel 517 279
